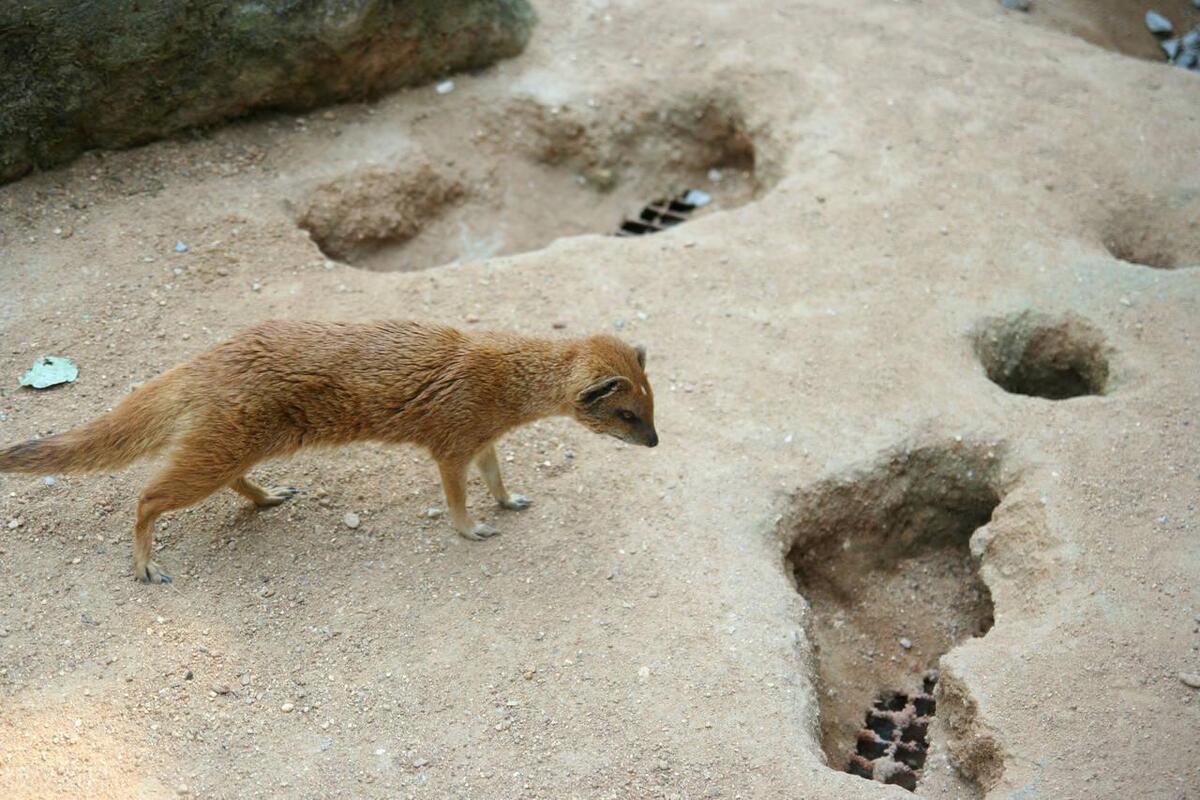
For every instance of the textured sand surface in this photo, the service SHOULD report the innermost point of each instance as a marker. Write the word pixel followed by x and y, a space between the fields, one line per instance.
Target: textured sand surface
pixel 904 186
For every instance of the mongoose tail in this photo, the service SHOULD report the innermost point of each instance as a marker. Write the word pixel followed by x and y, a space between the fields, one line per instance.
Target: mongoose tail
pixel 139 426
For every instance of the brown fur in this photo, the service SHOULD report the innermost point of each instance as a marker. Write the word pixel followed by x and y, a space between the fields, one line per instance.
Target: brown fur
pixel 283 386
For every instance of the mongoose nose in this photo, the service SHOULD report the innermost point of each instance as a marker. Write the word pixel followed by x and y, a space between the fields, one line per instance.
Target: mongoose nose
pixel 652 440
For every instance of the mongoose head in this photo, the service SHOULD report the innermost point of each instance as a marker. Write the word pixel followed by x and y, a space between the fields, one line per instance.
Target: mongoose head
pixel 616 398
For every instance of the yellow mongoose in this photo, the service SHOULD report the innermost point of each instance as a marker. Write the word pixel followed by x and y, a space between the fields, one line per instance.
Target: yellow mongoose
pixel 282 386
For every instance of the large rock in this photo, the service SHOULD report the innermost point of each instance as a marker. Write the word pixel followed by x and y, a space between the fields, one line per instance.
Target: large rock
pixel 115 73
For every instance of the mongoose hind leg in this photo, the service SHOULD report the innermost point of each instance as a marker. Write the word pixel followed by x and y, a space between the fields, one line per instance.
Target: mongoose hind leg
pixel 454 483
pixel 489 466
pixel 189 478
pixel 261 497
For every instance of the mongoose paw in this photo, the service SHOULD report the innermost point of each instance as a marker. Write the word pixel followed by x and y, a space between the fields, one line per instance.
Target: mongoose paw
pixel 151 573
pixel 277 495
pixel 516 502
pixel 480 532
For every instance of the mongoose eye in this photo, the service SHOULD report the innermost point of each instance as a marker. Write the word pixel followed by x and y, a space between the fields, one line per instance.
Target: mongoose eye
pixel 628 416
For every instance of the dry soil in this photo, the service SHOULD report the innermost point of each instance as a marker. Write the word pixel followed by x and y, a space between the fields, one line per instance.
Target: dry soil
pixel 908 197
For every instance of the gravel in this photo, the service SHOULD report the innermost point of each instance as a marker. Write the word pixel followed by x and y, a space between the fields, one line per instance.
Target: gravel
pixel 1157 24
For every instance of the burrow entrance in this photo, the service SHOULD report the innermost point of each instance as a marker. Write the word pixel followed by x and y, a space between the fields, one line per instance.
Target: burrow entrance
pixel 1041 356
pixel 883 559
pixel 664 213
pixel 535 174
pixel 893 742
pixel 1118 25
pixel 1162 232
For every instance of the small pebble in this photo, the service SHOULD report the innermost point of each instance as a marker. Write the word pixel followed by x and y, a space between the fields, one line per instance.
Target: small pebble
pixel 286 708
pixel 351 520
pixel 445 87
pixel 48 481
pixel 906 644
pixel 1015 5
pixel 1157 24
pixel 180 247
pixel 1191 679
pixel 433 512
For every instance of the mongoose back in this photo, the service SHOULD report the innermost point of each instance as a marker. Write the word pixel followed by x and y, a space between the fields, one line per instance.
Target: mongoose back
pixel 282 386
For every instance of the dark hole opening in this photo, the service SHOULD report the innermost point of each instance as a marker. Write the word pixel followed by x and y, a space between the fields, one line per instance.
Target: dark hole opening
pixel 1032 355
pixel 882 725
pixel 663 213
pixel 870 746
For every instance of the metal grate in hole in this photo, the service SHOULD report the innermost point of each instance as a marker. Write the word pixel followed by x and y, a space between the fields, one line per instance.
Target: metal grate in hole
pixel 665 213
pixel 892 745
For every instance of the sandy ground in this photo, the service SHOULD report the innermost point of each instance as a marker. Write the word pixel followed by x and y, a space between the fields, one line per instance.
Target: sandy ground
pixel 895 182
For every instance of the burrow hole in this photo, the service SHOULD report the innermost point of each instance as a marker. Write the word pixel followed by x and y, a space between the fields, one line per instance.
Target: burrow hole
pixel 1161 231
pixel 893 742
pixel 1041 356
pixel 884 561
pixel 666 212
pixel 1118 25
pixel 535 174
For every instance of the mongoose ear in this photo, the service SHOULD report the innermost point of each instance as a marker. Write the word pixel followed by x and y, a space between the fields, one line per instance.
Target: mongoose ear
pixel 641 354
pixel 602 389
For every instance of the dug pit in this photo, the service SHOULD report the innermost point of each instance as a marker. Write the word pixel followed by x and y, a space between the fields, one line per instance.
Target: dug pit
pixel 883 559
pixel 1161 231
pixel 1042 356
pixel 534 174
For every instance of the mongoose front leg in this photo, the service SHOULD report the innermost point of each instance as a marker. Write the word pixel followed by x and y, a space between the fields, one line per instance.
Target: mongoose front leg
pixel 263 498
pixel 454 482
pixel 489 466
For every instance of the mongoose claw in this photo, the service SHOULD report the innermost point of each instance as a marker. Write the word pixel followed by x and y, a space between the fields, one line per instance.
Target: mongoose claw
pixel 516 502
pixel 278 495
pixel 481 531
pixel 152 573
